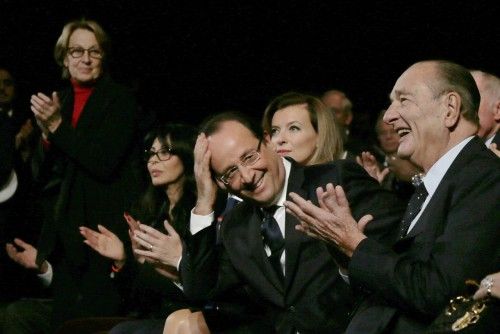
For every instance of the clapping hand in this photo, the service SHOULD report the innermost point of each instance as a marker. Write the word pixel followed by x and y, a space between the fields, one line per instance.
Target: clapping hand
pixel 331 221
pixel 105 243
pixel 47 111
pixel 162 250
pixel 371 166
pixel 133 225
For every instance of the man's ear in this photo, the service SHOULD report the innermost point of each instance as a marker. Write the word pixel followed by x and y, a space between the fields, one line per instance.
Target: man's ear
pixel 453 102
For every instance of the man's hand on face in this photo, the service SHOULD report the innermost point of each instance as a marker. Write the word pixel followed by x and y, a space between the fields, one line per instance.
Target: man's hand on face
pixel 205 185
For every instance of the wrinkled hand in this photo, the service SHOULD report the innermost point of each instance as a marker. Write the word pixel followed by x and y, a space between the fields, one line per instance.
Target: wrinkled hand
pixel 493 148
pixel 205 185
pixel 371 166
pixel 104 242
pixel 331 221
pixel 26 256
pixel 47 111
pixel 495 287
pixel 158 247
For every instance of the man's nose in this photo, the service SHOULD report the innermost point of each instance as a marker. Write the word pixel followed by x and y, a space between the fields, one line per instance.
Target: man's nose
pixel 247 174
pixel 390 115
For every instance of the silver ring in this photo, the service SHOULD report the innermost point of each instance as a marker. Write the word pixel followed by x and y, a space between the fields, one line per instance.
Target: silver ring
pixel 487 282
pixel 150 247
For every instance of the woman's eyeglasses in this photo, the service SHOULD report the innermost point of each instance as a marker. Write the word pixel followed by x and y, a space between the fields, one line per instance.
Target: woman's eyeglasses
pixel 79 52
pixel 163 154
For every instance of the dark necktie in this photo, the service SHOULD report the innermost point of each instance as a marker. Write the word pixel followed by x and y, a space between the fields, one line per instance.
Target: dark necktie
pixel 414 206
pixel 273 238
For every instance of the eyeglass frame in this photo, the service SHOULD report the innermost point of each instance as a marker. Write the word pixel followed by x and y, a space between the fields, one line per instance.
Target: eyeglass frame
pixel 148 154
pixel 226 177
pixel 70 50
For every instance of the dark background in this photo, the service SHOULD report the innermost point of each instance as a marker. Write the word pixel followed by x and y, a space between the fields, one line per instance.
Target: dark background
pixel 189 59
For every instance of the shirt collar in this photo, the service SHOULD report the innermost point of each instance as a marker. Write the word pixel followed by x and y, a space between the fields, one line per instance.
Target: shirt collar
pixel 438 170
pixel 489 140
pixel 282 197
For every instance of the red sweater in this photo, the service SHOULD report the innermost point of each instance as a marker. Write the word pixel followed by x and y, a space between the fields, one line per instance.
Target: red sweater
pixel 82 94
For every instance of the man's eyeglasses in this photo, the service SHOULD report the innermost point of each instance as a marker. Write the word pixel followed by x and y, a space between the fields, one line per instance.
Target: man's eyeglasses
pixel 163 154
pixel 233 172
pixel 79 52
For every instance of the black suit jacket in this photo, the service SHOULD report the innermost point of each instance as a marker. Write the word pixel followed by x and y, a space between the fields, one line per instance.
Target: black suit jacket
pixel 97 166
pixel 314 298
pixel 455 239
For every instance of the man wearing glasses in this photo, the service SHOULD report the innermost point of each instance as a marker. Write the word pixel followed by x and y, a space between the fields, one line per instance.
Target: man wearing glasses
pixel 291 277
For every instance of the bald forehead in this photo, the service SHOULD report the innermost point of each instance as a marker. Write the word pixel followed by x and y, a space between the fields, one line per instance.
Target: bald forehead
pixel 229 143
pixel 230 130
pixel 417 76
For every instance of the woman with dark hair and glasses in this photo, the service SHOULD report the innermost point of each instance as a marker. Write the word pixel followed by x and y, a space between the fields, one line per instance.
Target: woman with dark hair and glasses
pixel 89 157
pixel 158 221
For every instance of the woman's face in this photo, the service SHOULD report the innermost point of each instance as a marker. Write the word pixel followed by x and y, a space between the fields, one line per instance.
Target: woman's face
pixel 293 134
pixel 84 57
pixel 387 137
pixel 166 171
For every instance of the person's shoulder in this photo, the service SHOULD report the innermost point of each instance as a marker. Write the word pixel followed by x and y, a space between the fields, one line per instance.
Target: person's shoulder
pixel 475 167
pixel 336 166
pixel 108 83
pixel 120 95
pixel 475 155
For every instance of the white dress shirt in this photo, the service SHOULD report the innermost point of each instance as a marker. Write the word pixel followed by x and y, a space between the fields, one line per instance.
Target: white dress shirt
pixel 436 173
pixel 199 222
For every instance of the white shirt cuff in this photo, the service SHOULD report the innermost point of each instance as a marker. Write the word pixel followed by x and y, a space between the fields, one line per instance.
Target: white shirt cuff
pixel 344 275
pixel 179 285
pixel 198 223
pixel 46 277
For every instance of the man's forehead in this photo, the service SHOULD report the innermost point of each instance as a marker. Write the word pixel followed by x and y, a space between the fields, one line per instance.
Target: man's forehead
pixel 229 144
pixel 231 132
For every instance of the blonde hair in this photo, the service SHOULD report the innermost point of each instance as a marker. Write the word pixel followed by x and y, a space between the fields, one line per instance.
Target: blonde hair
pixel 61 47
pixel 330 145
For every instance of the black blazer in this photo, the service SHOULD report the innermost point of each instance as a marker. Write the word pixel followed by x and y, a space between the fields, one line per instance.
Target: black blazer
pixel 97 165
pixel 455 239
pixel 314 298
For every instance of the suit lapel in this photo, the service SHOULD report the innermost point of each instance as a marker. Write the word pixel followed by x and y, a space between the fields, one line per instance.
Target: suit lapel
pixel 257 252
pixel 293 238
pixel 442 191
